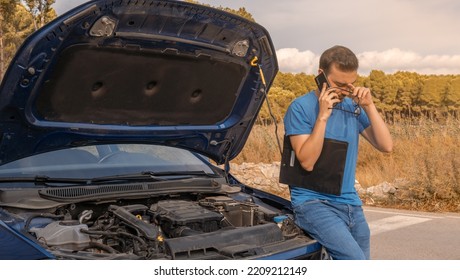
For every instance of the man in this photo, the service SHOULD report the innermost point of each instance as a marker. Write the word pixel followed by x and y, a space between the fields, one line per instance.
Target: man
pixel 339 112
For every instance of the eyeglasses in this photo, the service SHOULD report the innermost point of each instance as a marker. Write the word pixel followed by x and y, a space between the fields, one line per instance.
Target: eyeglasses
pixel 356 109
pixel 342 90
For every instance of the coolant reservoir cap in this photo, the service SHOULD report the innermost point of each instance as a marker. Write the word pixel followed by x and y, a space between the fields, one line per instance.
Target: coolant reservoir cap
pixel 279 219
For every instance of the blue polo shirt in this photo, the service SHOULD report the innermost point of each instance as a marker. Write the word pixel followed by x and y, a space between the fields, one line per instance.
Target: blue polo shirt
pixel 301 117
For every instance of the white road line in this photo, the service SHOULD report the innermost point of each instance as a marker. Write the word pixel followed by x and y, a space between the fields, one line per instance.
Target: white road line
pixel 453 217
pixel 394 222
pixel 428 216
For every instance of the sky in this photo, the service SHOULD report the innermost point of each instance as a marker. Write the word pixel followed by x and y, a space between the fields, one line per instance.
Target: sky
pixel 392 35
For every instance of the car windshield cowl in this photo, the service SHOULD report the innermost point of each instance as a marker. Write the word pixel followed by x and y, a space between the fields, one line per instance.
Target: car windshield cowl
pixel 145 176
pixel 130 189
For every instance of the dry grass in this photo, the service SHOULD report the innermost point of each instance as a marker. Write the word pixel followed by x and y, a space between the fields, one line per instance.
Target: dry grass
pixel 425 163
pixel 262 145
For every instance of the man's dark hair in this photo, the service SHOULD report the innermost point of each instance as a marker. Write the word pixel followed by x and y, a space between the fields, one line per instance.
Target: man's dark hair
pixel 343 58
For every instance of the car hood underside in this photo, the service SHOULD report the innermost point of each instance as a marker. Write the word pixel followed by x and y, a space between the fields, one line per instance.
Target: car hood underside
pixel 162 72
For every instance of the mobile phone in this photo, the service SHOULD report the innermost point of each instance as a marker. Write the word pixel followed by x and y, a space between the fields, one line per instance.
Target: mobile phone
pixel 320 80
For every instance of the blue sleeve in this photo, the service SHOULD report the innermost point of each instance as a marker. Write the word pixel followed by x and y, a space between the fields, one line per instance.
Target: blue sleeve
pixel 298 119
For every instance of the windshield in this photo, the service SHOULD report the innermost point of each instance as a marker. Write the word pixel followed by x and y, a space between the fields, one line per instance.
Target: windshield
pixel 106 160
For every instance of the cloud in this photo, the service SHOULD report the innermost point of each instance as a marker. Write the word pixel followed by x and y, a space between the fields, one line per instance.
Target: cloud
pixel 389 61
pixel 393 60
pixel 295 61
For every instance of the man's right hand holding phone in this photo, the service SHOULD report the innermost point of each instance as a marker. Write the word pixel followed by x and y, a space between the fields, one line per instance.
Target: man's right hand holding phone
pixel 327 99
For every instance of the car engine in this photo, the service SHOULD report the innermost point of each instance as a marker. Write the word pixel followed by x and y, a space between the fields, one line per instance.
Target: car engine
pixel 212 227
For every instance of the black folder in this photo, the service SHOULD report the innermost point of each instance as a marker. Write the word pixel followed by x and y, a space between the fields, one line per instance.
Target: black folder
pixel 327 174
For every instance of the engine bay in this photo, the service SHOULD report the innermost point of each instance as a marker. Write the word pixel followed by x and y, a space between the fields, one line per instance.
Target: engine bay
pixel 172 227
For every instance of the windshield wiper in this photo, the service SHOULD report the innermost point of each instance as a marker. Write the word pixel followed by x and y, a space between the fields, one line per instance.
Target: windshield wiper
pixel 43 180
pixel 152 175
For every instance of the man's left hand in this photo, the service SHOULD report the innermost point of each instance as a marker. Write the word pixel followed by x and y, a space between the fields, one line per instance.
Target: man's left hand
pixel 362 94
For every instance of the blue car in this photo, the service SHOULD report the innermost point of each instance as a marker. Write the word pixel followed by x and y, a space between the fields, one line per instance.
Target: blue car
pixel 118 121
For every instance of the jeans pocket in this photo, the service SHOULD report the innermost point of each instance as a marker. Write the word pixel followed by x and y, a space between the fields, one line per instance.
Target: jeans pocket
pixel 303 211
pixel 305 205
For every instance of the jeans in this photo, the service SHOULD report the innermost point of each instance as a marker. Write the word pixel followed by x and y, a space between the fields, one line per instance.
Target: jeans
pixel 341 228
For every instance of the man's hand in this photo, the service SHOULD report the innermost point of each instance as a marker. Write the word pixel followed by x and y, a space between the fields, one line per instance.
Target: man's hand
pixel 363 94
pixel 327 99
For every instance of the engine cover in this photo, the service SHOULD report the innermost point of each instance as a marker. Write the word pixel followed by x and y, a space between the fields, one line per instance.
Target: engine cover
pixel 173 214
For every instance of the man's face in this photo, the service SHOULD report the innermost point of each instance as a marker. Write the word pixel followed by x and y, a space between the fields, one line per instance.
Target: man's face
pixel 341 81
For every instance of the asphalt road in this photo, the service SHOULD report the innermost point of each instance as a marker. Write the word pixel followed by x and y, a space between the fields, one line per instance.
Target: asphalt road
pixel 410 235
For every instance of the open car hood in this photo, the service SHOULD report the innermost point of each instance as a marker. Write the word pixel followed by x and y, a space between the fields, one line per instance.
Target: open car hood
pixel 116 71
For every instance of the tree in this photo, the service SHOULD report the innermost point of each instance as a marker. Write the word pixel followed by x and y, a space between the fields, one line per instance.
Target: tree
pixel 299 84
pixel 18 19
pixel 452 98
pixel 279 99
pixel 432 93
pixel 408 92
pixel 40 10
pixel 7 9
pixel 376 82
